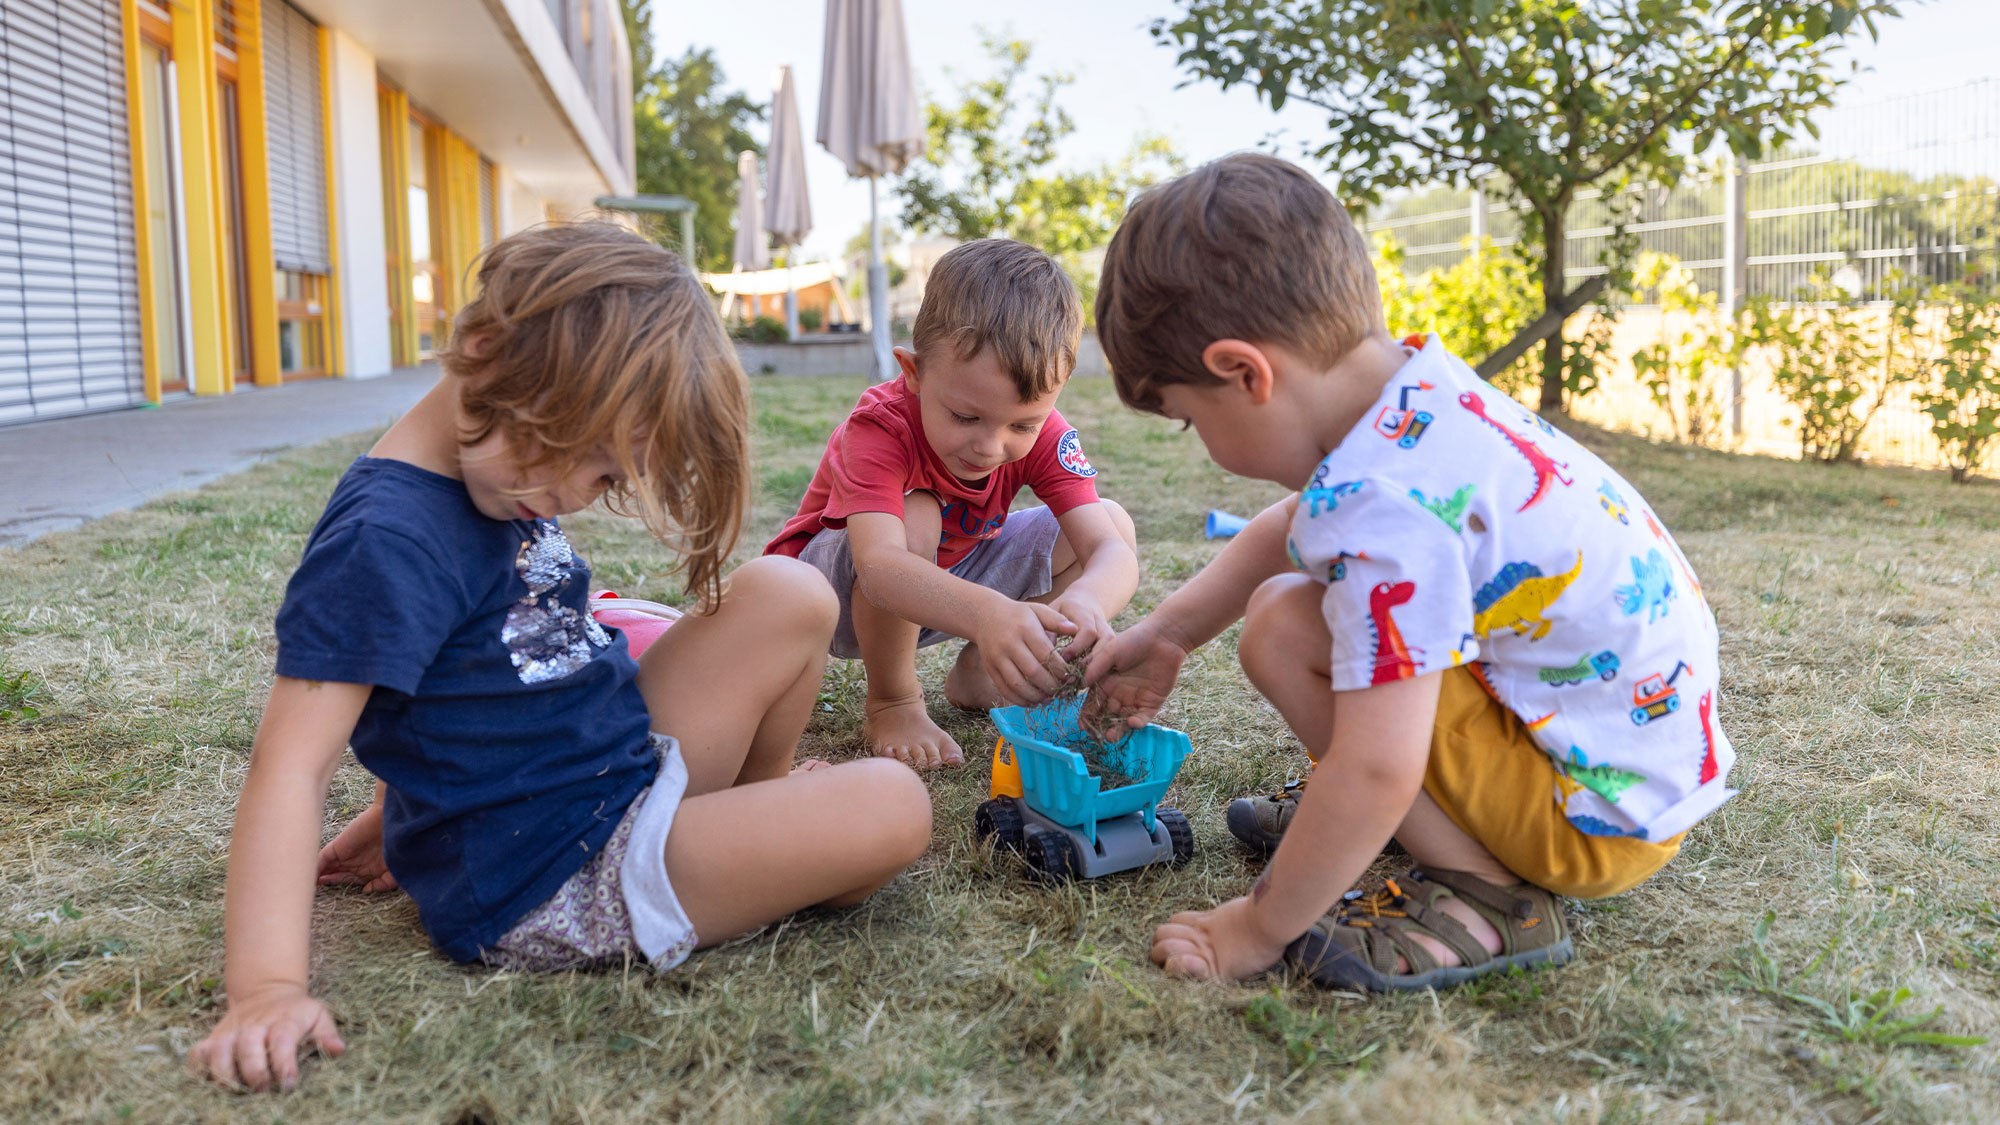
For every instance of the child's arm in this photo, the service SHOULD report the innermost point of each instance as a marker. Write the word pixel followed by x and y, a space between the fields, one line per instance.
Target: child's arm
pixel 1132 673
pixel 1110 573
pixel 1362 789
pixel 1013 637
pixel 267 907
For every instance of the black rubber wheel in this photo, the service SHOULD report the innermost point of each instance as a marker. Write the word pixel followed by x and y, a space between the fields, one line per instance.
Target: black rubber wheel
pixel 1179 831
pixel 999 820
pixel 1051 856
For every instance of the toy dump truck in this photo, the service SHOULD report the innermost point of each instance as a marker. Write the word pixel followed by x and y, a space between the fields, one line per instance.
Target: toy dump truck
pixel 1604 666
pixel 1068 822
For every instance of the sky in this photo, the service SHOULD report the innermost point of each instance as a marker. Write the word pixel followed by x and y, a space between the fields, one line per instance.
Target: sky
pixel 1125 82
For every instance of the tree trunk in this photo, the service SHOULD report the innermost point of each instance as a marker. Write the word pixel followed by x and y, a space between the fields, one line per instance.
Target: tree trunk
pixel 1553 239
pixel 1539 328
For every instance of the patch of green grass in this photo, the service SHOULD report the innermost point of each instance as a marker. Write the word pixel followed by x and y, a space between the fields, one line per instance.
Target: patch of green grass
pixel 1861 687
pixel 17 696
pixel 1309 1040
pixel 1850 1015
pixel 789 481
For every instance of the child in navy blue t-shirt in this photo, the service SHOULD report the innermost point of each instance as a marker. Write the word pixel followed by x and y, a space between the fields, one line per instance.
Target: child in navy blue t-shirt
pixel 547 801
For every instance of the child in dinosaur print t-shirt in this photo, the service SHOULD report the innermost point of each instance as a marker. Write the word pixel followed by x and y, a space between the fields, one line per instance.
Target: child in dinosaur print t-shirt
pixel 1456 527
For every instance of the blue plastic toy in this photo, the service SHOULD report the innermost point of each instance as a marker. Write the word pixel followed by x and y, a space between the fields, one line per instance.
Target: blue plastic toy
pixel 1047 805
pixel 1222 525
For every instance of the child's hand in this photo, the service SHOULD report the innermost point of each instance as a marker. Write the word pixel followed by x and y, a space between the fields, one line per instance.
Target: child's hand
pixel 355 856
pixel 256 1046
pixel 1221 944
pixel 1091 624
pixel 1014 645
pixel 1131 673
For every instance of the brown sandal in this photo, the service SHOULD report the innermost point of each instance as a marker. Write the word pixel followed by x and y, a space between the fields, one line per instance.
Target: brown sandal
pixel 1356 946
pixel 1260 822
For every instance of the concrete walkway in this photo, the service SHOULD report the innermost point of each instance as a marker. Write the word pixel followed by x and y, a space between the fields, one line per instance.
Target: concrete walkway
pixel 57 474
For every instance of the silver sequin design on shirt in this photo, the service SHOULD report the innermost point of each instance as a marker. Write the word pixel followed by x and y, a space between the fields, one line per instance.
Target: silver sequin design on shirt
pixel 546 639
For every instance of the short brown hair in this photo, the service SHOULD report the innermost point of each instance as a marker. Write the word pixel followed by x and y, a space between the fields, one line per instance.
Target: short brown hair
pixel 585 335
pixel 1247 247
pixel 1006 295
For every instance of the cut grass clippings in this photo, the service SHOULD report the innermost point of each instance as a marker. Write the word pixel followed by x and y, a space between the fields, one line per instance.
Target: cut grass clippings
pixel 1862 681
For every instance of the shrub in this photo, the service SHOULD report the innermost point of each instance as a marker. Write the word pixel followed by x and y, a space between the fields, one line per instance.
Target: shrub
pixel 763 330
pixel 811 319
pixel 1827 360
pixel 1964 402
pixel 1477 304
pixel 1683 371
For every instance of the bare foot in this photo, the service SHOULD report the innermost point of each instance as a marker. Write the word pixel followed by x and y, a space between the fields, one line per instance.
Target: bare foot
pixel 1475 923
pixel 900 728
pixel 968 687
pixel 809 765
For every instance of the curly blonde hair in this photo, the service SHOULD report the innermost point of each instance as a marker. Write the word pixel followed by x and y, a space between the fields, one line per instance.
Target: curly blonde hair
pixel 585 335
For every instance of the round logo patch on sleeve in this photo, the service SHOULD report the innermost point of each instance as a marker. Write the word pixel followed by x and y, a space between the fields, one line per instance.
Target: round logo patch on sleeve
pixel 1069 452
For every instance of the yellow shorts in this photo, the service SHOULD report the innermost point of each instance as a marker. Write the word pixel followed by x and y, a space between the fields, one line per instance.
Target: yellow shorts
pixel 1490 777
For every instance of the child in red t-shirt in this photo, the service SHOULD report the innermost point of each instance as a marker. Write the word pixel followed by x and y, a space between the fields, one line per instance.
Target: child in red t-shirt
pixel 907 514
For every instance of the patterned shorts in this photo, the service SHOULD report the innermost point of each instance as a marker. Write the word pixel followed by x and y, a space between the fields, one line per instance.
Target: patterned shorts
pixel 585 924
pixel 591 920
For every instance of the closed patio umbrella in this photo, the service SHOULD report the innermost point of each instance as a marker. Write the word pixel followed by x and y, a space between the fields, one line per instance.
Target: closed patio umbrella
pixel 787 210
pixel 752 252
pixel 870 119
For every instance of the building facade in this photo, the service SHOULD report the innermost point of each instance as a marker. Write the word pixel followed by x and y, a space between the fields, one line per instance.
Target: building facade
pixel 199 197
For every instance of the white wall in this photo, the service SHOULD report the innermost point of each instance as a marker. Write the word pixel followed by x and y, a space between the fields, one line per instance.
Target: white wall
pixel 519 207
pixel 357 172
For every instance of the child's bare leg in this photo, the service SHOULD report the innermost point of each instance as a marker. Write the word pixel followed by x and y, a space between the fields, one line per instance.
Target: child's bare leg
pixel 897 724
pixel 744 857
pixel 1287 650
pixel 737 686
pixel 968 686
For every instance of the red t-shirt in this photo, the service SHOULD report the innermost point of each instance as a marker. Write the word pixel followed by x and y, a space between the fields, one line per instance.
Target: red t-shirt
pixel 879 455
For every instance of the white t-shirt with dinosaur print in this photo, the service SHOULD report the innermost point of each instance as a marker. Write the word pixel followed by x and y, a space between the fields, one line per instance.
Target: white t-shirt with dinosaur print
pixel 1453 525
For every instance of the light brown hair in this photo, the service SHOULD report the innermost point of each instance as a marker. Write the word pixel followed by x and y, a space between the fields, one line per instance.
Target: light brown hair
pixel 1247 247
pixel 1005 295
pixel 585 335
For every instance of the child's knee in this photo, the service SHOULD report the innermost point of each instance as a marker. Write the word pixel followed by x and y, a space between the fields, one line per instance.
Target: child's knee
pixel 900 806
pixel 786 585
pixel 1282 622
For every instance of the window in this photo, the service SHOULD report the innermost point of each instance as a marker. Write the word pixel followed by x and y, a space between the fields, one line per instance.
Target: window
pixel 158 103
pixel 301 323
pixel 426 275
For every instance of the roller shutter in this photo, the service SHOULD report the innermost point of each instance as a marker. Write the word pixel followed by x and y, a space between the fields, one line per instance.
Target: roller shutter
pixel 295 126
pixel 69 275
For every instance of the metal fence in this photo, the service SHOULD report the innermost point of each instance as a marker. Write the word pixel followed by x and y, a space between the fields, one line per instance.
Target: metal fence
pixel 1910 185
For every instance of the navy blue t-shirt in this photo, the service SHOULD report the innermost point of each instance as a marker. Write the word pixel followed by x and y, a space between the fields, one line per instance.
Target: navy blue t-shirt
pixel 507 723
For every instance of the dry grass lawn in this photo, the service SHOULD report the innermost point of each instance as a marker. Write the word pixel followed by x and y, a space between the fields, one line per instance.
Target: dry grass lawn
pixel 1863 680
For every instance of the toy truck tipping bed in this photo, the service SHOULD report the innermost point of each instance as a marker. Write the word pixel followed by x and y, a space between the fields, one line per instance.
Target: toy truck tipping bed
pixel 1061 818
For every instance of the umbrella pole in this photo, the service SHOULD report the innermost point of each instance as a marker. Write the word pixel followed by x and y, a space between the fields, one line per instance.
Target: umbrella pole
pixel 878 289
pixel 791 295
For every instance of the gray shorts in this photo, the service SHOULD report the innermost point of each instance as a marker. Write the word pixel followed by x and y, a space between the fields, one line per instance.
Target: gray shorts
pixel 1018 562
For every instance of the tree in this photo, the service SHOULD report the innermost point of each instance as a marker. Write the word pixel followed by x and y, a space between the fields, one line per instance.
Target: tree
pixel 989 167
pixel 1549 96
pixel 639 39
pixel 686 132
